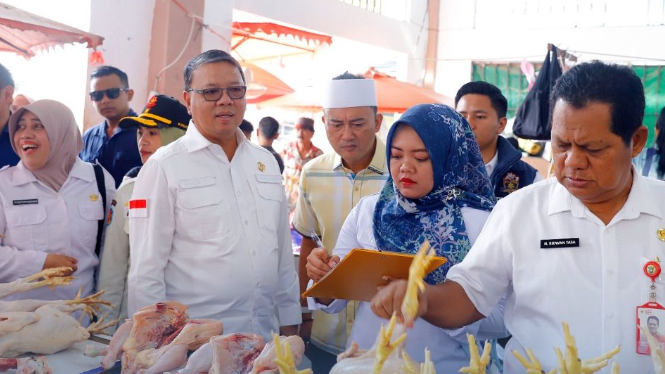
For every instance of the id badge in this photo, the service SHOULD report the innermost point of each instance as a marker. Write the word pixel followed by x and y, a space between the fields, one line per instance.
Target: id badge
pixel 652 317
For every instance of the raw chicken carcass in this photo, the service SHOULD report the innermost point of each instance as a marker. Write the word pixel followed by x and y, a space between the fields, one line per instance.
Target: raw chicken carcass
pixel 26 365
pixel 266 360
pixel 200 361
pixel 174 355
pixel 114 350
pixel 234 353
pixel 154 326
pixel 42 326
pixel 47 330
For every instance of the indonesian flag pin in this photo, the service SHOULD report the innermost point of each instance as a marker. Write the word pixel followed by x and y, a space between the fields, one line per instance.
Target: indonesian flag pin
pixel 652 270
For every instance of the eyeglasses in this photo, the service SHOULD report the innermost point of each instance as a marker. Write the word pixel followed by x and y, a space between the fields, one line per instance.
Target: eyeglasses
pixel 111 93
pixel 214 94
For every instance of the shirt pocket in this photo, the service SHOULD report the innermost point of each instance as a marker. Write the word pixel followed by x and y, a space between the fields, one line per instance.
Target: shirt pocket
pixel 271 196
pixel 27 228
pixel 200 209
pixel 91 214
pixel 269 206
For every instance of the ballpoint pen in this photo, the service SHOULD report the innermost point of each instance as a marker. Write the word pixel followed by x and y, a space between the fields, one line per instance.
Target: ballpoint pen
pixel 316 239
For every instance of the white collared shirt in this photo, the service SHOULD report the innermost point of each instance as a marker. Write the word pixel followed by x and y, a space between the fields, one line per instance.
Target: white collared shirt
pixel 594 287
pixel 490 166
pixel 215 236
pixel 36 221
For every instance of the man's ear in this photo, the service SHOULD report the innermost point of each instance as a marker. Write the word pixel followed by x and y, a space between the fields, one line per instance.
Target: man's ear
pixel 7 94
pixel 130 94
pixel 503 121
pixel 379 120
pixel 186 97
pixel 639 140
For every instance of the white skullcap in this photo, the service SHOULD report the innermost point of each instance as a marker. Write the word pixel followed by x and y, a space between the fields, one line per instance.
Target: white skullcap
pixel 349 93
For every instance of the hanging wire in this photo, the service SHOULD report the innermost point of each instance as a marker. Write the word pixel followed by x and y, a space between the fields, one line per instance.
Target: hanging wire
pixel 182 52
pixel 620 56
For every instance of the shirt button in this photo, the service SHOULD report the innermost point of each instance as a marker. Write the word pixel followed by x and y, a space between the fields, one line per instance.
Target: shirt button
pixel 246 222
pixel 610 315
pixel 610 272
pixel 357 189
pixel 238 193
pixel 253 253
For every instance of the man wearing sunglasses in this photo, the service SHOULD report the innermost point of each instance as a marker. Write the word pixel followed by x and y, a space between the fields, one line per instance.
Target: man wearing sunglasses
pixel 211 215
pixel 114 148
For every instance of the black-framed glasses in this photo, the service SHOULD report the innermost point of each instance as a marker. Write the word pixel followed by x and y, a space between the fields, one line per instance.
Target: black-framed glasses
pixel 214 94
pixel 111 93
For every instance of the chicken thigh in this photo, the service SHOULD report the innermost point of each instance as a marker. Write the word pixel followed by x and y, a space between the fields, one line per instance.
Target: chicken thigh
pixel 153 326
pixel 235 353
pixel 174 355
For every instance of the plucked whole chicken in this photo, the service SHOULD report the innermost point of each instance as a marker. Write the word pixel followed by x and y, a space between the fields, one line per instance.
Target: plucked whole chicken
pixel 44 326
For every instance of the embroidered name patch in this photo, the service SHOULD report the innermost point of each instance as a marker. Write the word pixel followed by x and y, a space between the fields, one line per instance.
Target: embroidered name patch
pixel 560 243
pixel 138 208
pixel 25 202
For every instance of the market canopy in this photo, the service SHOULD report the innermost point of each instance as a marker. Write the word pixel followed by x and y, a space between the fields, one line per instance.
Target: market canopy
pixel 393 96
pixel 262 85
pixel 26 33
pixel 253 41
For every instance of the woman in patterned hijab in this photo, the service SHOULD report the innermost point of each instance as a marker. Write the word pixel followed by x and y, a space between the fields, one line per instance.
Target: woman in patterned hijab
pixel 438 191
pixel 402 223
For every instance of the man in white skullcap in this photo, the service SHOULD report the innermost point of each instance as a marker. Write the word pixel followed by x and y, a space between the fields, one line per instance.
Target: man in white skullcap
pixel 331 185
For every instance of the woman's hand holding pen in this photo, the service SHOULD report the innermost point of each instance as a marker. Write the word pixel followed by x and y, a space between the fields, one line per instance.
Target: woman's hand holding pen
pixel 319 263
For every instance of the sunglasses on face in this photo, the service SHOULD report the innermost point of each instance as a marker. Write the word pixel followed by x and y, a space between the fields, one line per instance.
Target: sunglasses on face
pixel 111 93
pixel 214 94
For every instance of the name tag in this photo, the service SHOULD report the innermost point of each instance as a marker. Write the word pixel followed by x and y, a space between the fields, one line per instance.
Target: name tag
pixel 25 202
pixel 560 243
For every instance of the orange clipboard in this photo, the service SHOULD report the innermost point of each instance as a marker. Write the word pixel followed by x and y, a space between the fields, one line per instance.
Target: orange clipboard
pixel 359 274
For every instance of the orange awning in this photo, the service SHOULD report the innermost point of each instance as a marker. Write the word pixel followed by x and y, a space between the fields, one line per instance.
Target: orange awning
pixel 265 40
pixel 269 28
pixel 393 96
pixel 262 85
pixel 26 33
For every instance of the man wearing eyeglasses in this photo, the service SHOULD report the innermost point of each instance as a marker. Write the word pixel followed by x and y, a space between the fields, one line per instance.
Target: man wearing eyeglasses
pixel 114 148
pixel 210 215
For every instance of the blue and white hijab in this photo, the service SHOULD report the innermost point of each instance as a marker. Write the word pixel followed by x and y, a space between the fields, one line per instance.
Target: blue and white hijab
pixel 460 180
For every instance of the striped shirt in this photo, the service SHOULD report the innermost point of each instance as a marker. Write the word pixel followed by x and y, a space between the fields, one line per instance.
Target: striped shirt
pixel 328 192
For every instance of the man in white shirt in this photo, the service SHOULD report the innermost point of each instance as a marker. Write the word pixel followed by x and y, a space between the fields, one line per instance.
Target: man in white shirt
pixel 567 250
pixel 209 215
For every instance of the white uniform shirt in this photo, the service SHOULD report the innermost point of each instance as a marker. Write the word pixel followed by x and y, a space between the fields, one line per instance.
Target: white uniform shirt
pixel 215 236
pixel 594 287
pixel 36 221
pixel 115 257
pixel 449 348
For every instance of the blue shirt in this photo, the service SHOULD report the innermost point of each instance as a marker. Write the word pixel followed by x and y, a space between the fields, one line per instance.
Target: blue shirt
pixel 7 154
pixel 117 154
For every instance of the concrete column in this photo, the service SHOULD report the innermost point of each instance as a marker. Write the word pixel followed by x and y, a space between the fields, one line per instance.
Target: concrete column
pixel 176 38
